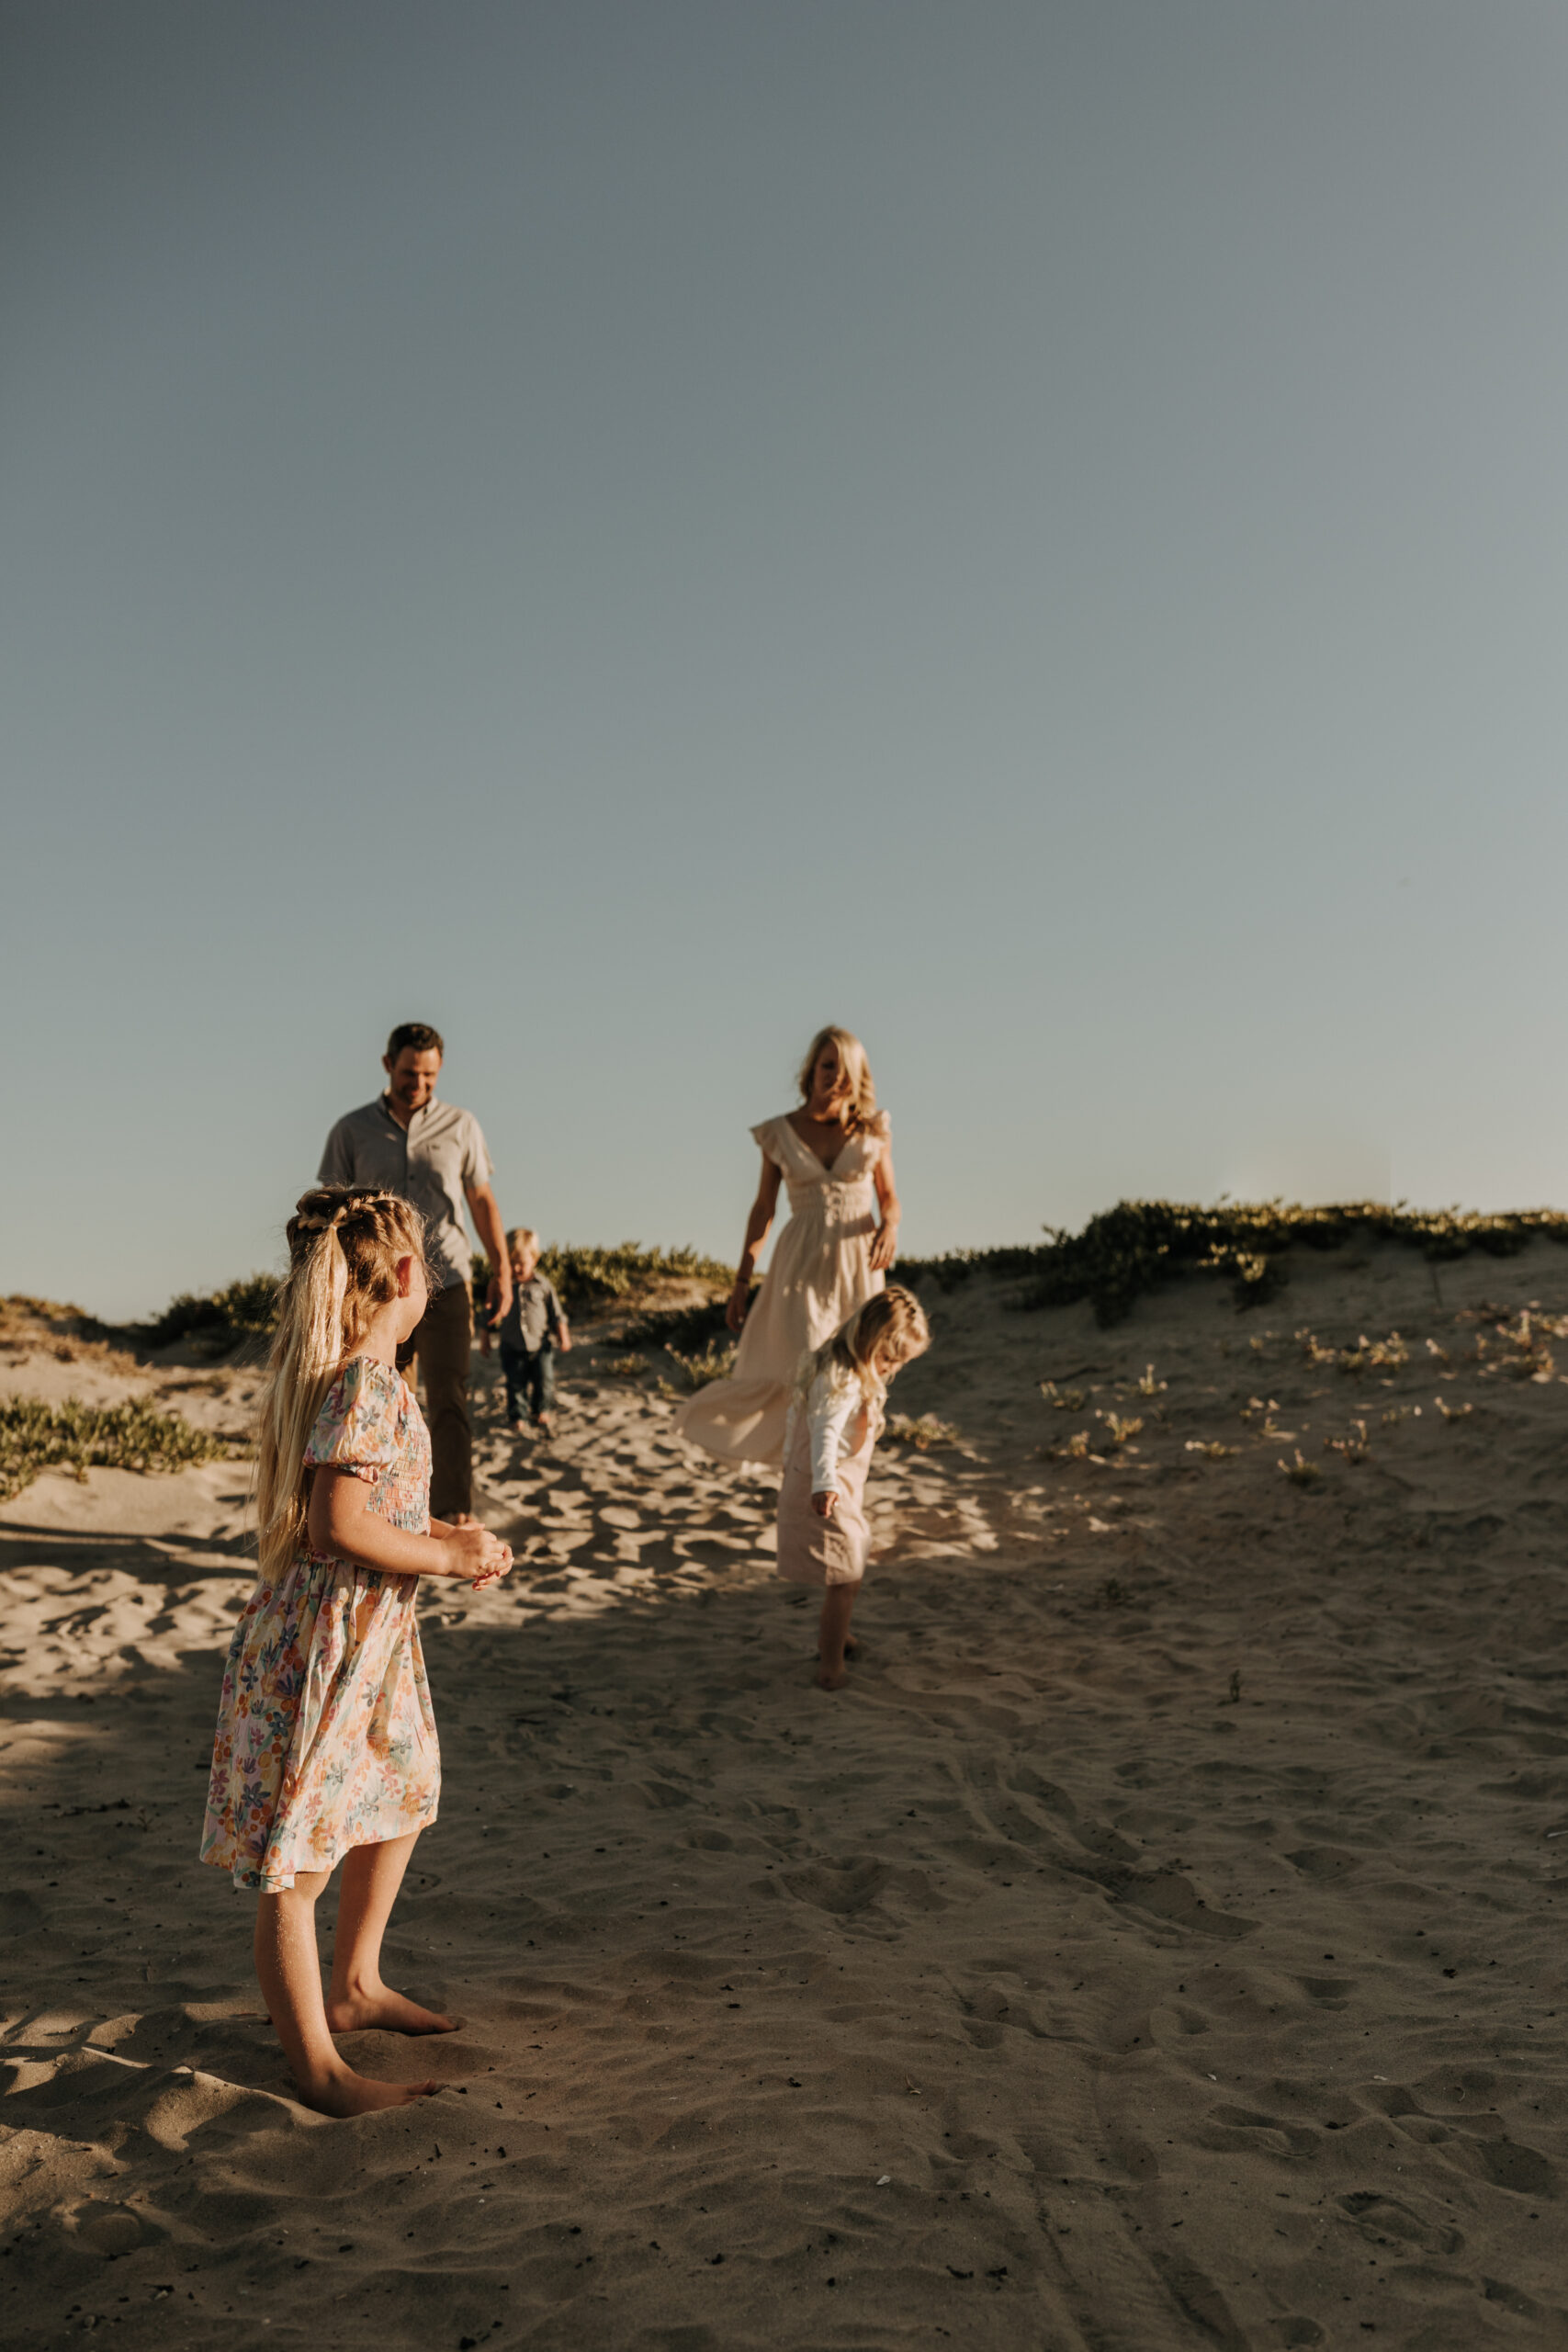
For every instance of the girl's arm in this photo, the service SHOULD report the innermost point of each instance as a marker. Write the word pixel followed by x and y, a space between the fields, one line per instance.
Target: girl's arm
pixel 758 1226
pixel 885 1243
pixel 341 1524
pixel 828 1412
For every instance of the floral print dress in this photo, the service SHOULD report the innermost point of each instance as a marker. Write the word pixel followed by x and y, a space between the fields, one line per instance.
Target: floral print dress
pixel 325 1736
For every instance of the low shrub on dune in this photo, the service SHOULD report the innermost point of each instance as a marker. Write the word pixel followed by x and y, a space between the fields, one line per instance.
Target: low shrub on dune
pixel 587 1277
pixel 218 1318
pixel 35 1436
pixel 1139 1244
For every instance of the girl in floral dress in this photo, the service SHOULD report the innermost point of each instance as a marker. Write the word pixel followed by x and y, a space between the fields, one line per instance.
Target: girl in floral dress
pixel 326 1748
pixel 835 1419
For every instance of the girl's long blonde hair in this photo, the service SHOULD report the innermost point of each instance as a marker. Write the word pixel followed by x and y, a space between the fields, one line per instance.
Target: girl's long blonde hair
pixel 892 1314
pixel 344 1248
pixel 851 1054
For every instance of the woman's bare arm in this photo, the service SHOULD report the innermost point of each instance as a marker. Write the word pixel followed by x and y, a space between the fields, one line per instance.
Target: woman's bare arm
pixel 759 1225
pixel 884 1244
pixel 343 1525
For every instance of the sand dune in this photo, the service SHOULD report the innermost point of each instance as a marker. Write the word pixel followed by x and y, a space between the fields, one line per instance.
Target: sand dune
pixel 1159 1944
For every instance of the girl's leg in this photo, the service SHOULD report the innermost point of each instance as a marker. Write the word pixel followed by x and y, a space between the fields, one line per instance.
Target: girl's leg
pixel 837 1602
pixel 371 1877
pixel 290 1970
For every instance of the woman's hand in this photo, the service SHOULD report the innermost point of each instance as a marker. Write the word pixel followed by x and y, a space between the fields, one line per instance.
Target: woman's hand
pixel 739 1297
pixel 885 1246
pixel 825 1505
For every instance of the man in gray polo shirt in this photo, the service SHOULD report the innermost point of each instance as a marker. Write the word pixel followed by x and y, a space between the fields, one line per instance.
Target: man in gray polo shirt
pixel 433 1155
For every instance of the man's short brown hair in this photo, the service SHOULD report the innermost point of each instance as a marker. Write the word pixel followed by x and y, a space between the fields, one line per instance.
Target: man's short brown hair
pixel 417 1033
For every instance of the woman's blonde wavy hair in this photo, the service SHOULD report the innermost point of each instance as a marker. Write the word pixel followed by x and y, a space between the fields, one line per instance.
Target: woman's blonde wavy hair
pixel 851 1053
pixel 344 1248
pixel 892 1315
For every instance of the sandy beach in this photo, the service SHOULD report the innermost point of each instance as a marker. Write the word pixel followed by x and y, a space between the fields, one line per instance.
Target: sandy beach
pixel 1159 1943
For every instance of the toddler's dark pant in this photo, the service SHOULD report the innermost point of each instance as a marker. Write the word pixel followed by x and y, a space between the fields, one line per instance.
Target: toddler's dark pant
pixel 441 1341
pixel 530 1375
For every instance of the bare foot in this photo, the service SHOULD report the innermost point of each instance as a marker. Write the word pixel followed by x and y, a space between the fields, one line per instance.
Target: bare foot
pixel 518 1429
pixel 852 1645
pixel 832 1677
pixel 543 1426
pixel 383 2011
pixel 351 2093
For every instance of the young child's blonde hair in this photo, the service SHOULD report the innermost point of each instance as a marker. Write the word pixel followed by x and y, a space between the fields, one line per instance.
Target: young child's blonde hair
pixel 892 1315
pixel 518 1239
pixel 851 1053
pixel 343 1248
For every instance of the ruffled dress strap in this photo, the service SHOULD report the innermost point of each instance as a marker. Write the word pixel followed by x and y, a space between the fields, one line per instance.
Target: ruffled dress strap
pixel 773 1143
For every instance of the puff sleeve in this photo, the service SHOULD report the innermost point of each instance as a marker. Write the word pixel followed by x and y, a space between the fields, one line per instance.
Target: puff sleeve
pixel 356 1427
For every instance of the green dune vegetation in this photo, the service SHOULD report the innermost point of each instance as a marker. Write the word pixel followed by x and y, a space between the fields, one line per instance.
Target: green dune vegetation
pixel 72 1436
pixel 218 1319
pixel 1140 1244
pixel 1118 1256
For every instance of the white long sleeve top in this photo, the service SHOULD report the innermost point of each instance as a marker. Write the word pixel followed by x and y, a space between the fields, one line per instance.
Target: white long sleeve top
pixel 832 1402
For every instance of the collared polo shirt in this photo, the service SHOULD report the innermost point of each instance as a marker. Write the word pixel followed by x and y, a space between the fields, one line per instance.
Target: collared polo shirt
pixel 428 1163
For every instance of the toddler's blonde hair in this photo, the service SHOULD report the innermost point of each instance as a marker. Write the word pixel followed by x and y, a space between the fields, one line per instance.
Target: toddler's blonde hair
pixel 851 1053
pixel 344 1248
pixel 518 1239
pixel 894 1315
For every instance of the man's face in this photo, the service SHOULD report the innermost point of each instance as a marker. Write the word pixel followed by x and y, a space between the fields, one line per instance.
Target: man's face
pixel 410 1080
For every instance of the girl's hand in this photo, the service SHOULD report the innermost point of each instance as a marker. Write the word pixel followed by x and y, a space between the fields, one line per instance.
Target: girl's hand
pixel 475 1554
pixel 493 1576
pixel 565 1340
pixel 884 1248
pixel 734 1313
pixel 825 1505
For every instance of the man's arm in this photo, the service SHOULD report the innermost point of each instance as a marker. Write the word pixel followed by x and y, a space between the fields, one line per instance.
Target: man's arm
pixel 337 1158
pixel 485 1211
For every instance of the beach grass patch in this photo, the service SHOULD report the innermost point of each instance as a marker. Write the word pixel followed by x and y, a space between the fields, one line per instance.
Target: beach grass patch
pixel 1139 1245
pixel 36 1437
pixel 586 1277
pixel 921 1430
pixel 217 1319
pixel 714 1363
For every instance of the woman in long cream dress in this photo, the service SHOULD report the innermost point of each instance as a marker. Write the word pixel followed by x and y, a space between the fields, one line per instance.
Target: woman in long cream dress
pixel 834 1159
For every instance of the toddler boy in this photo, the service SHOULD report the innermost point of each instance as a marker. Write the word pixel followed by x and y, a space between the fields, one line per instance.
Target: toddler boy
pixel 532 1329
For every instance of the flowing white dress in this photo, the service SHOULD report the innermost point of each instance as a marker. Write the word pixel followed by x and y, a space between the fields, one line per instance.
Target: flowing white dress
pixel 821 1272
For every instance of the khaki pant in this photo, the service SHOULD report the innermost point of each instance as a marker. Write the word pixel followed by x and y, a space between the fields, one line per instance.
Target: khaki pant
pixel 443 1341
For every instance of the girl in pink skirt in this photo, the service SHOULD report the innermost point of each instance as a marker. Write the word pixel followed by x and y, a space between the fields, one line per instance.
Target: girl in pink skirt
pixel 835 1419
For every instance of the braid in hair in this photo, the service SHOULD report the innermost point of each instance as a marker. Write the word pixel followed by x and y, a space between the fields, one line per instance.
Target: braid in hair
pixel 344 1243
pixel 893 1314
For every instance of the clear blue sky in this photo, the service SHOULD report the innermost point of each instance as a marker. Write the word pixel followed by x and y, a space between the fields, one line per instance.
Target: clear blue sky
pixel 1035 531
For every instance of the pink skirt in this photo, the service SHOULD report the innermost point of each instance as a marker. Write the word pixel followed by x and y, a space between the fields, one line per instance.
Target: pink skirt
pixel 825 1551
